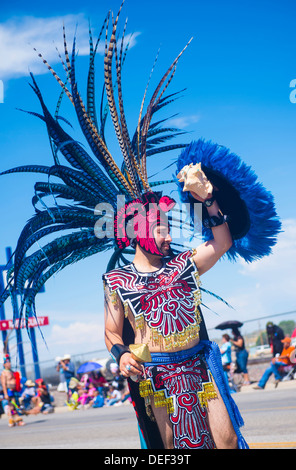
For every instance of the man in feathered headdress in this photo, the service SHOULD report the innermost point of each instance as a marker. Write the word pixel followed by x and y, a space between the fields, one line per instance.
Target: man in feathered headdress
pixel 154 326
pixel 159 296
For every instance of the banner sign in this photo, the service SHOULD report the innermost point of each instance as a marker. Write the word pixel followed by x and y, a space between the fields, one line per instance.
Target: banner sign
pixel 32 323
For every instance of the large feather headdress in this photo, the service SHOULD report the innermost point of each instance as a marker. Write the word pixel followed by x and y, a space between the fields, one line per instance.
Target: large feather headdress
pixel 85 179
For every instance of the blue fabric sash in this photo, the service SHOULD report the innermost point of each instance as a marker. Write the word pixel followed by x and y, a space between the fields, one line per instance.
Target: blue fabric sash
pixel 213 358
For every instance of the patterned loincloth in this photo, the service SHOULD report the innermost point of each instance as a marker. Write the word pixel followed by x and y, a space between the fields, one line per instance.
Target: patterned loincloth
pixel 184 386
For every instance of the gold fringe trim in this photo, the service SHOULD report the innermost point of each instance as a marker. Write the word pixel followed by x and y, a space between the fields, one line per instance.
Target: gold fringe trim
pixel 208 392
pixel 145 388
pixel 161 400
pixel 179 339
pixel 197 278
pixel 146 391
pixel 126 309
pixel 140 322
pixel 112 294
pixel 114 297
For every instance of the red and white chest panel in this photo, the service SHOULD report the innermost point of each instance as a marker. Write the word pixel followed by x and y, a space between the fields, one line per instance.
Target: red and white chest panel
pixel 167 300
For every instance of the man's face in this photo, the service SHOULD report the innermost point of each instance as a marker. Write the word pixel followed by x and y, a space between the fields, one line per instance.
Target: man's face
pixel 162 239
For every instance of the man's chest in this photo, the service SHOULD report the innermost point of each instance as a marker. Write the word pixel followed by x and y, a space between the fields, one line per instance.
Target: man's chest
pixel 166 301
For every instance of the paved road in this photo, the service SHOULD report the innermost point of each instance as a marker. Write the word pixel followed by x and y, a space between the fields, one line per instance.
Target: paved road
pixel 101 428
pixel 269 415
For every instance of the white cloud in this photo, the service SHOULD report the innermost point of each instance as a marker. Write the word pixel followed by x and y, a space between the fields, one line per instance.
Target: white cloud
pixel 279 265
pixel 77 334
pixel 20 35
pixel 184 121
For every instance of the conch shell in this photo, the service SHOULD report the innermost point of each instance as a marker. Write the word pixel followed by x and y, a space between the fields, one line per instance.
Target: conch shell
pixel 195 180
pixel 140 352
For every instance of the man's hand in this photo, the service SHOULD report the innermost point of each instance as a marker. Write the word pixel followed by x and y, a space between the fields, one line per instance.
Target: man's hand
pixel 197 197
pixel 128 366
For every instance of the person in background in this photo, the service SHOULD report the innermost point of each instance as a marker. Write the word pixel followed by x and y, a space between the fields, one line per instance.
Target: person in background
pixel 68 369
pixel 62 387
pixel 14 416
pixel 114 396
pixel 241 354
pixel 10 382
pixel 42 401
pixel 27 396
pixel 8 379
pixel 98 400
pixel 97 378
pixel 87 394
pixel 276 363
pixel 75 390
pixel 45 399
pixel 226 350
pixel 275 336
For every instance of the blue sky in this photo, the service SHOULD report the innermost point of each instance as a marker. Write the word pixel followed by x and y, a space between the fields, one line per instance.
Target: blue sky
pixel 237 73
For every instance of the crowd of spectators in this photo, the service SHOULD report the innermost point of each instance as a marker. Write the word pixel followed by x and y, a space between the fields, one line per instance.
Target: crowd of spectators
pixel 20 397
pixel 94 390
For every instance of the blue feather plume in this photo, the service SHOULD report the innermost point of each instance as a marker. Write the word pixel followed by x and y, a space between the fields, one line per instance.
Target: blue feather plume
pixel 265 224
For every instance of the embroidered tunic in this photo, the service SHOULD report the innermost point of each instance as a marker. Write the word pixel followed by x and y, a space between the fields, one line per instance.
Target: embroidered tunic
pixel 167 300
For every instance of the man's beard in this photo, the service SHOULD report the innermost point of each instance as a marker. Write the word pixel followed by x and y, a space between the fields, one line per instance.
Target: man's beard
pixel 165 248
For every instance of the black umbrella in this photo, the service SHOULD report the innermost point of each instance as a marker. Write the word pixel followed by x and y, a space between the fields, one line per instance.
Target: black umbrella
pixel 230 324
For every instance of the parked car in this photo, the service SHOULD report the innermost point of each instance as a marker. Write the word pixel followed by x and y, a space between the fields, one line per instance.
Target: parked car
pixel 263 350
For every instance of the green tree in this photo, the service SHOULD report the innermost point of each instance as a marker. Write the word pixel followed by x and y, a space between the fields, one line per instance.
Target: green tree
pixel 288 326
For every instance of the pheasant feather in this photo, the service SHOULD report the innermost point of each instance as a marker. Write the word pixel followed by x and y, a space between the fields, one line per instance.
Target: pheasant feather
pixel 62 230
